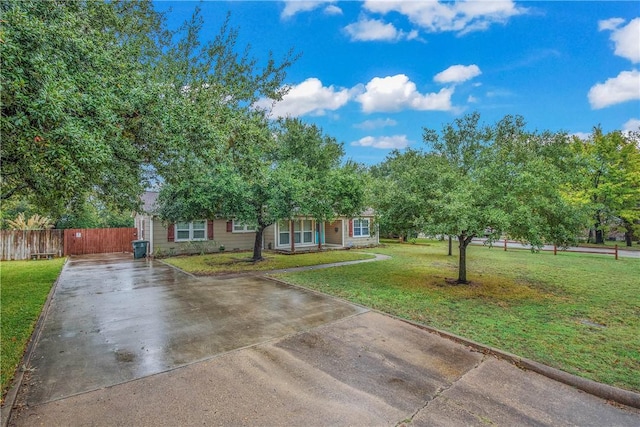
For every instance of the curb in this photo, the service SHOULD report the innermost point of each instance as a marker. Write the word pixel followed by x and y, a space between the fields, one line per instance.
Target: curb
pixel 12 394
pixel 604 391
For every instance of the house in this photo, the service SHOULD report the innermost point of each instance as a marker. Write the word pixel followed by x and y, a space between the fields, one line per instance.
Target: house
pixel 212 235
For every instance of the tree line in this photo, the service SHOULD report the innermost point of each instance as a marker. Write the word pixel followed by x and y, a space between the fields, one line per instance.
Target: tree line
pixel 477 180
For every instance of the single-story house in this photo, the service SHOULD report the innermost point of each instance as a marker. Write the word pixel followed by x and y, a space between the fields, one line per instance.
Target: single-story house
pixel 213 235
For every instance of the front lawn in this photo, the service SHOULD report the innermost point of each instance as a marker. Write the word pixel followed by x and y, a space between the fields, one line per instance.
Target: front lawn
pixel 25 286
pixel 240 262
pixel 576 312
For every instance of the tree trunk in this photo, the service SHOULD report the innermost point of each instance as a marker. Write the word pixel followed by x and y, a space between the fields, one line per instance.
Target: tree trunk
pixel 464 241
pixel 628 233
pixel 257 244
pixel 599 237
pixel 450 239
pixel 598 230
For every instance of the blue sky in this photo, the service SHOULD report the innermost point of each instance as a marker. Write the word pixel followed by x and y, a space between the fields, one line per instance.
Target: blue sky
pixel 373 74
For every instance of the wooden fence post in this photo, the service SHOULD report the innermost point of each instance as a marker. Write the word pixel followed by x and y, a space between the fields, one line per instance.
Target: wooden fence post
pixel 505 245
pixel 616 252
pixel 555 250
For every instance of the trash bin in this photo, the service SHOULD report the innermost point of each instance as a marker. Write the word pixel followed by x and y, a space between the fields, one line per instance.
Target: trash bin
pixel 139 248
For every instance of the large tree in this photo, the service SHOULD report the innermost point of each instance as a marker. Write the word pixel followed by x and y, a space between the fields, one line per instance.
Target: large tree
pixel 610 172
pixel 330 188
pixel 499 179
pixel 397 188
pixel 98 98
pixel 73 76
pixel 264 175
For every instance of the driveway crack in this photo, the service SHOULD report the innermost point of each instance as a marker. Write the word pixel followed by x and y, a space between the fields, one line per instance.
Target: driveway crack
pixel 409 420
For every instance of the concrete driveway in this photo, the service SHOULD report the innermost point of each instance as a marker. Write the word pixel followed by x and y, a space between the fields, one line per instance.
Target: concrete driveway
pixel 136 342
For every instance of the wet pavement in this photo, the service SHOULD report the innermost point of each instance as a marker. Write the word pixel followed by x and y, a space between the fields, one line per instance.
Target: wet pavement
pixel 114 319
pixel 137 343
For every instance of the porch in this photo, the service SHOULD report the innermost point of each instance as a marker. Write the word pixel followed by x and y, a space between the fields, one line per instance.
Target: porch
pixel 305 235
pixel 308 249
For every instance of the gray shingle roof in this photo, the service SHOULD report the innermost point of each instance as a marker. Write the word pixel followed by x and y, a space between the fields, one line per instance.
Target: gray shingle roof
pixel 149 199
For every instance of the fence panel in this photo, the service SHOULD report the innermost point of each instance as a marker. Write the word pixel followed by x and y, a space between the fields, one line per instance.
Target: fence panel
pixel 80 241
pixel 22 244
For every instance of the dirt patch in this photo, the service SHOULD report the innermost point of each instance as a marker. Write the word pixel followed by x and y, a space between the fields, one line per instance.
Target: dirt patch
pixel 455 282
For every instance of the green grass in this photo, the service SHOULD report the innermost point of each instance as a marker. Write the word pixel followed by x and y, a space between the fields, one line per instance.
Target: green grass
pixel 576 312
pixel 25 286
pixel 240 262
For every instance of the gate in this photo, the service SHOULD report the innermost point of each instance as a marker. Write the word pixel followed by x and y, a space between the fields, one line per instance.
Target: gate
pixel 81 241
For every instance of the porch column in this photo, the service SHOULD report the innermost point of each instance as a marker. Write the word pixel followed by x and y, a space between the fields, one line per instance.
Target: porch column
pixel 150 235
pixel 291 231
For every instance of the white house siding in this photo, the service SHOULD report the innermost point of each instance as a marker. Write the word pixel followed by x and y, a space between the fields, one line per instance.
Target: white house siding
pixel 356 241
pixel 231 241
pixel 333 232
pixel 269 237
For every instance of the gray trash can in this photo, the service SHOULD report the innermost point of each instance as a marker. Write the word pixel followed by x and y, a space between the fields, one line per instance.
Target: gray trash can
pixel 139 248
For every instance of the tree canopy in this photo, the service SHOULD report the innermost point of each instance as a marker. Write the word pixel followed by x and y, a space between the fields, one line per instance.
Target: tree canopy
pixel 609 171
pixel 479 180
pixel 267 174
pixel 98 98
pixel 73 76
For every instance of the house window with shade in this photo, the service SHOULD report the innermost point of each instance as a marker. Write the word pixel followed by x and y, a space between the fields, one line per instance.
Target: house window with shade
pixel 188 231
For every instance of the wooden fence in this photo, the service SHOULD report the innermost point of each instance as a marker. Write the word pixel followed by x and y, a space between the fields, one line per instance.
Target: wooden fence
pixel 80 241
pixel 22 244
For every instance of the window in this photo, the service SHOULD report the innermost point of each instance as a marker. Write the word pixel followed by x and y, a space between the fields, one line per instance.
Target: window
pixel 239 227
pixel 302 232
pixel 361 227
pixel 194 230
pixel 283 235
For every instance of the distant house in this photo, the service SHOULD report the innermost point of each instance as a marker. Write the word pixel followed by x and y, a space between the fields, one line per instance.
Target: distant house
pixel 209 235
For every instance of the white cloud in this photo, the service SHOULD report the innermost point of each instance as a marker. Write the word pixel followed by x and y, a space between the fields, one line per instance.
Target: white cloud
pixel 332 9
pixel 499 93
pixel 458 74
pixel 375 124
pixel 610 24
pixel 394 93
pixel 472 99
pixel 374 29
pixel 460 16
pixel 625 87
pixel 631 125
pixel 292 7
pixel 383 142
pixel 309 97
pixel 625 38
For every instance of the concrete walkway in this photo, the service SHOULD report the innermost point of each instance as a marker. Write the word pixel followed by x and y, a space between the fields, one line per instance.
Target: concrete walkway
pixel 136 343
